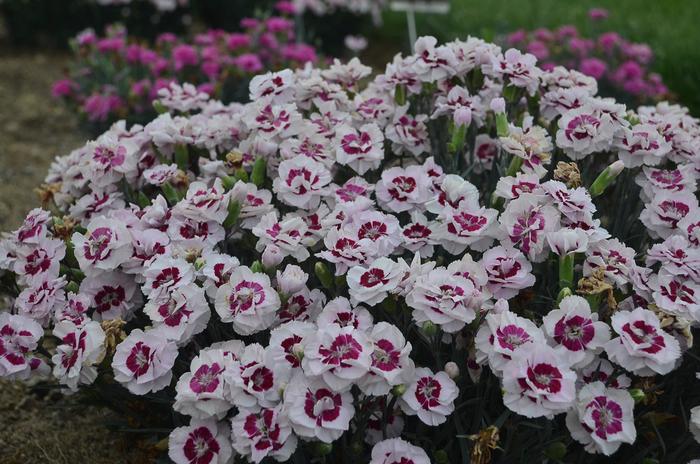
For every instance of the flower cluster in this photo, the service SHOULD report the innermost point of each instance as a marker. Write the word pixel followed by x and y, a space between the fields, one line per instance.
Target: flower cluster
pixel 160 5
pixel 349 262
pixel 117 77
pixel 621 67
pixel 324 7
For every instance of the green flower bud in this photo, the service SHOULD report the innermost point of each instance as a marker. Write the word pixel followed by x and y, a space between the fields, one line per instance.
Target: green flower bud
pixel 322 449
pixel 159 107
pixel 234 210
pixel 171 193
pixel 228 182
pixel 429 329
pixel 398 390
pixel 556 451
pixel 563 293
pixel 324 275
pixel 182 157
pixel 257 266
pixel 259 172
pixel 241 174
pixel 441 457
pixel 502 125
pixel 637 394
pixel 606 178
pixel 72 287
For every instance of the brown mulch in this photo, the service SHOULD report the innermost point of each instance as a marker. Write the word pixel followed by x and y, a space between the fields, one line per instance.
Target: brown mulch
pixel 44 427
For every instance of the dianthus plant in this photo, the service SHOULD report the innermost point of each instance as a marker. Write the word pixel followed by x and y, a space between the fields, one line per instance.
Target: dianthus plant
pixel 463 257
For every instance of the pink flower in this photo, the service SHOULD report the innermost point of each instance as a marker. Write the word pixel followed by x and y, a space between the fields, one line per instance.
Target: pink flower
pixel 184 55
pixel 248 301
pixel 183 315
pixel 408 133
pixel 302 182
pixel 202 392
pixel 204 203
pixel 183 98
pixel 445 299
pixel 81 348
pixel 503 334
pixel 527 221
pixel 396 450
pixel 19 337
pixel 40 261
pixel 259 434
pixel 642 347
pixel 403 189
pixel 602 419
pixel 362 149
pixel 200 442
pixel 538 382
pixel 391 364
pixel 288 237
pixel 430 396
pixel 249 63
pixel 593 67
pixel 63 88
pixel 42 299
pixel 585 130
pixel 143 362
pixel 433 63
pixel 518 69
pixel 316 411
pixel 598 14
pixel 663 213
pixel 338 355
pixel 576 330
pixel 278 86
pixel 113 295
pixel 164 275
pixel 373 283
pixel 508 271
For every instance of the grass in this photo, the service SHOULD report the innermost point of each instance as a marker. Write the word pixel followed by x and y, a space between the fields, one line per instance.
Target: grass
pixel 669 26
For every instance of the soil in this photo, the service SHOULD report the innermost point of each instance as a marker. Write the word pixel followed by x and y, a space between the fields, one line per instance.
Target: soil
pixel 36 426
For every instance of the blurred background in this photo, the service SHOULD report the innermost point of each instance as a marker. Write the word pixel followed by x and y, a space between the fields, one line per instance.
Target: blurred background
pixel 70 68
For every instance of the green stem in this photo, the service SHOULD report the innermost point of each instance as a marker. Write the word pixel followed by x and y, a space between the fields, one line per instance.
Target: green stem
pixel 566 271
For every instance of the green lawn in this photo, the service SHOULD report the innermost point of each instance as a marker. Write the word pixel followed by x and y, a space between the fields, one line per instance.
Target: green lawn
pixel 671 27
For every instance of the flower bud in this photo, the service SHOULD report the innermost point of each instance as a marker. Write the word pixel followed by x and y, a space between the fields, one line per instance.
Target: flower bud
pixel 159 107
pixel 357 448
pixel 398 390
pixel 452 369
pixel 72 287
pixel 298 351
pixel 259 172
pixel 292 280
pixel 271 257
pixel 324 275
pixel 441 457
pixel 257 266
pixel 498 105
pixel 556 451
pixel 234 210
pixel 637 394
pixel 606 178
pixel 563 293
pixel 429 329
pixel 228 182
pixel 182 157
pixel 322 449
pixel 463 116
